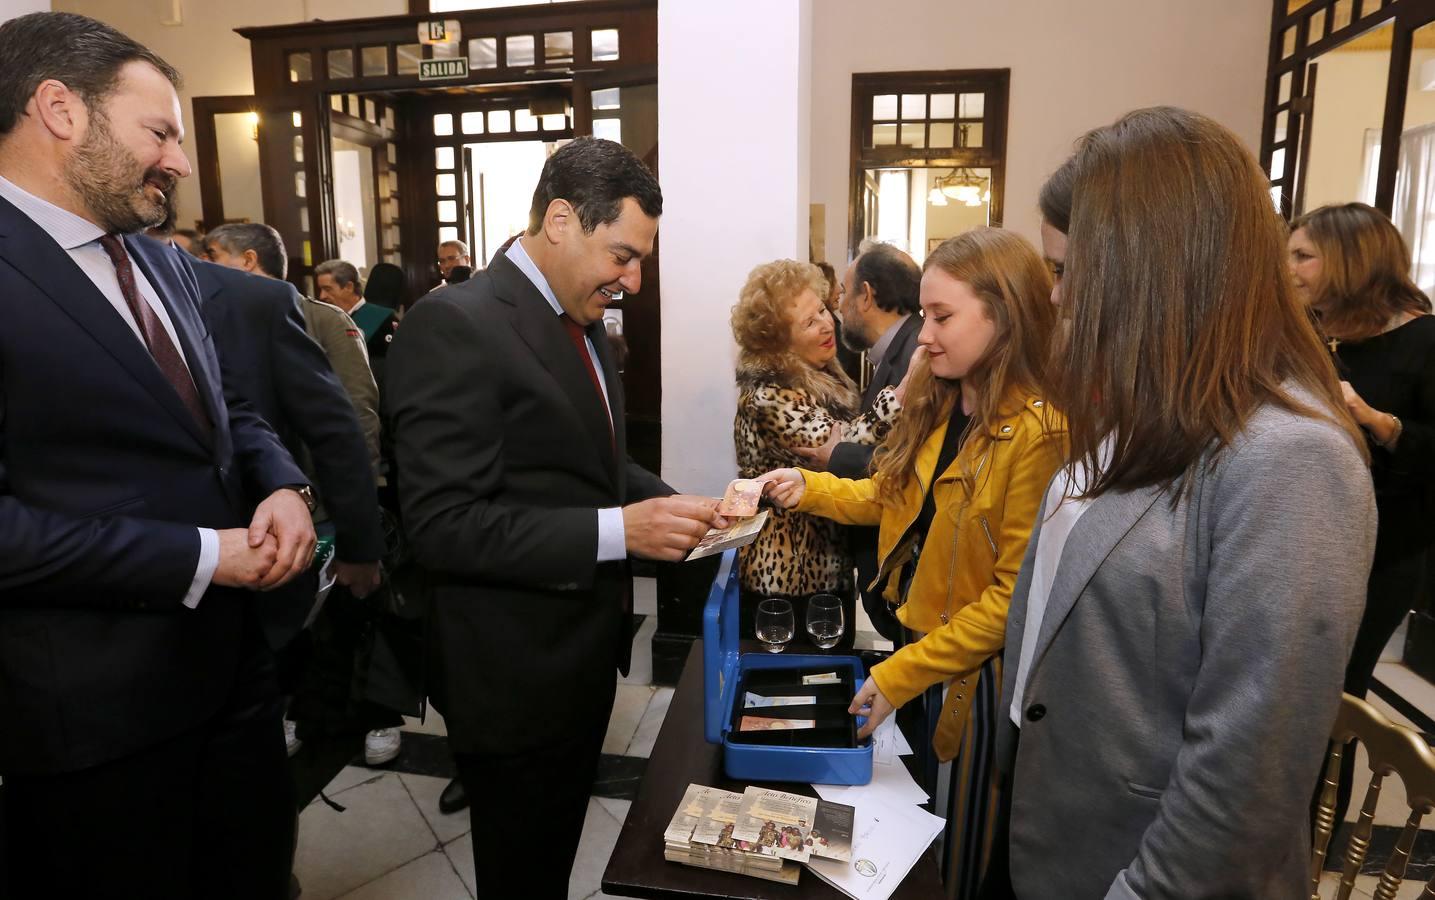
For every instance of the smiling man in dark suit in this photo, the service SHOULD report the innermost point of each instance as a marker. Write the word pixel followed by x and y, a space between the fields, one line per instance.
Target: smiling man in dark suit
pixel 142 751
pixel 521 503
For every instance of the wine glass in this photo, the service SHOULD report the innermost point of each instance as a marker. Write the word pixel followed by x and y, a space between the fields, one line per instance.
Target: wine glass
pixel 824 620
pixel 774 624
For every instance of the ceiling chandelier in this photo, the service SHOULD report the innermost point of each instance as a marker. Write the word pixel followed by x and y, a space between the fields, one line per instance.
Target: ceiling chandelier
pixel 962 185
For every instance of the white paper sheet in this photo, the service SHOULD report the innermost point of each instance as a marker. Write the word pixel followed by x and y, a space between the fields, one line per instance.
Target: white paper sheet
pixel 890 784
pixel 888 743
pixel 887 841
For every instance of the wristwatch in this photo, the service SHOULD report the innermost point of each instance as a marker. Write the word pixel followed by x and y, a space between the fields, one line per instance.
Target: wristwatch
pixel 306 492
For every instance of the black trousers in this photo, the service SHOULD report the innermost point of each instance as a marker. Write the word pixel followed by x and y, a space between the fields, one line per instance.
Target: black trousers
pixel 1395 587
pixel 528 810
pixel 205 815
pixel 996 883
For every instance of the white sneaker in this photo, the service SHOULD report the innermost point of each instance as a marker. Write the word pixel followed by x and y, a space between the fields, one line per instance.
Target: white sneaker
pixel 380 746
pixel 291 738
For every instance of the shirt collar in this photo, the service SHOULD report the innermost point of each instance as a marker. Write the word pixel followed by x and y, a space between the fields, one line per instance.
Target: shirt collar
pixel 880 346
pixel 64 227
pixel 355 308
pixel 520 258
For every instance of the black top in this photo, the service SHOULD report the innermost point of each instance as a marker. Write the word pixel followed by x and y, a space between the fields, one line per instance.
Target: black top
pixel 951 445
pixel 1394 373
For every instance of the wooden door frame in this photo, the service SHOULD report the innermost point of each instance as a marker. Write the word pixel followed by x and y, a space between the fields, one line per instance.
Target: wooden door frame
pixel 1294 48
pixel 206 153
pixel 273 46
pixel 994 83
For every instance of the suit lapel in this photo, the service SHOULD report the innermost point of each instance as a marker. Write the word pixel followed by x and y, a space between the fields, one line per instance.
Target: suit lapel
pixel 899 349
pixel 1109 518
pixel 35 255
pixel 540 329
pixel 874 387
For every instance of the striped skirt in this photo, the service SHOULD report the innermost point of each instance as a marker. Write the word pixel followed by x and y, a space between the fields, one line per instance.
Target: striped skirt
pixel 971 789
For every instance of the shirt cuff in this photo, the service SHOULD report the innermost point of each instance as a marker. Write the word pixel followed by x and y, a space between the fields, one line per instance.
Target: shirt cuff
pixel 204 572
pixel 1121 889
pixel 612 539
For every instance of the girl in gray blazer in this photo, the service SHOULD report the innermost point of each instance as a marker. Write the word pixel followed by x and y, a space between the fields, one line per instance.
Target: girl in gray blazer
pixel 1179 630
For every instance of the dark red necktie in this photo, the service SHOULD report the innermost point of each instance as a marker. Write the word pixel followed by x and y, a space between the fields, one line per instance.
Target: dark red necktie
pixel 576 335
pixel 161 347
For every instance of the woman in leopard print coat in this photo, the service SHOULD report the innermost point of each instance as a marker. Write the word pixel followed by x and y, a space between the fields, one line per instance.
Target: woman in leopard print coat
pixel 792 393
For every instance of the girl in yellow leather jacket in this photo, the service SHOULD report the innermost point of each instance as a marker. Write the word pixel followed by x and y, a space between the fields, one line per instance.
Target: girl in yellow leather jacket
pixel 955 490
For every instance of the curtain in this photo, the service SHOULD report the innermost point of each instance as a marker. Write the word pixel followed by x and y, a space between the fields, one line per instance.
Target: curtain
pixel 1415 202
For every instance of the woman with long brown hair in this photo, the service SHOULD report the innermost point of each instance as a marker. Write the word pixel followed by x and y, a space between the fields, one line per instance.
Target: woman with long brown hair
pixel 1349 264
pixel 954 490
pixel 1178 636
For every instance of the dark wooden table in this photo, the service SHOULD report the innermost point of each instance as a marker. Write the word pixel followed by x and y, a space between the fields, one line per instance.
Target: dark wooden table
pixel 682 756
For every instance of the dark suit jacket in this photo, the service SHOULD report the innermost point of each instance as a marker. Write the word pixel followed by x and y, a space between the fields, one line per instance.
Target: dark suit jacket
pixel 504 456
pixel 103 477
pixel 852 460
pixel 270 360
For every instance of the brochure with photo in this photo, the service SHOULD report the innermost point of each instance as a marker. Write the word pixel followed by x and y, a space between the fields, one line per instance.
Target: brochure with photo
pixel 777 822
pixel 715 828
pixel 831 836
pixel 698 801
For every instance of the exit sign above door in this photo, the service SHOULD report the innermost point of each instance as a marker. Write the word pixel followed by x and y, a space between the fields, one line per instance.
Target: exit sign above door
pixel 443 69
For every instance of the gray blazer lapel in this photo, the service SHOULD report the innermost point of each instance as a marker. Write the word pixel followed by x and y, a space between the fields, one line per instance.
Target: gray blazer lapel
pixel 1016 625
pixel 1098 531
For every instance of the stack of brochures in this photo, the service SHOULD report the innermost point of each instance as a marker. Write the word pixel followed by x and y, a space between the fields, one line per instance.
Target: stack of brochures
pixel 760 832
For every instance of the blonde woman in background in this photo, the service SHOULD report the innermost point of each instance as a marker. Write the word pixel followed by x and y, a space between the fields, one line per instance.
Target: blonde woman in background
pixel 791 394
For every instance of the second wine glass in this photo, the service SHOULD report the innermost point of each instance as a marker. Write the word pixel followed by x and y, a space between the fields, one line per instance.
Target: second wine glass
pixel 824 620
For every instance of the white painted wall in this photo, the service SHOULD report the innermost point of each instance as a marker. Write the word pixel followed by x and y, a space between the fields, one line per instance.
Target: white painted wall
pixel 10 9
pixel 736 197
pixel 734 158
pixel 1074 65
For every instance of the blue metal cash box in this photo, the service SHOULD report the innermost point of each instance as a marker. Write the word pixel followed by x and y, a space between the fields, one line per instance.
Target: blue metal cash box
pixel 826 754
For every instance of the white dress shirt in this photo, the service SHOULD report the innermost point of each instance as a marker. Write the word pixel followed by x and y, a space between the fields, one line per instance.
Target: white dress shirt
pixel 612 539
pixel 80 238
pixel 879 347
pixel 1062 513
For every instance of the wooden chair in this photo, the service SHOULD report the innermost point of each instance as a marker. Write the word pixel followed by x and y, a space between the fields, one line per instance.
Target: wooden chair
pixel 1392 749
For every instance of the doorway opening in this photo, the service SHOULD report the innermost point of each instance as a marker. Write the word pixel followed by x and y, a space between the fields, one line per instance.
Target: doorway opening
pixel 379 138
pixel 498 195
pixel 928 156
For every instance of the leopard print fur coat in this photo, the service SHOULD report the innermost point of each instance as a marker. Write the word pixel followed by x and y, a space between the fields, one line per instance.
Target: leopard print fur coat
pixel 784 404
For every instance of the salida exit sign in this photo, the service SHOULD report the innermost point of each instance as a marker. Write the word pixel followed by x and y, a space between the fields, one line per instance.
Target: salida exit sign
pixel 442 69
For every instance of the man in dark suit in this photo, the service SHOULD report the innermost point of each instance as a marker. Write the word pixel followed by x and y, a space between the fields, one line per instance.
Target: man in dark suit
pixel 142 752
pixel 878 306
pixel 265 353
pixel 521 503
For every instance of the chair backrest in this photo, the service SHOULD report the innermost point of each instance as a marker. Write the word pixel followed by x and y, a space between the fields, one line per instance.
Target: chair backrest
pixel 1392 749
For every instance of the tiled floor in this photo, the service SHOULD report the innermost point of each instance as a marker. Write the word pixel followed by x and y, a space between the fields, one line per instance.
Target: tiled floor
pixel 391 842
